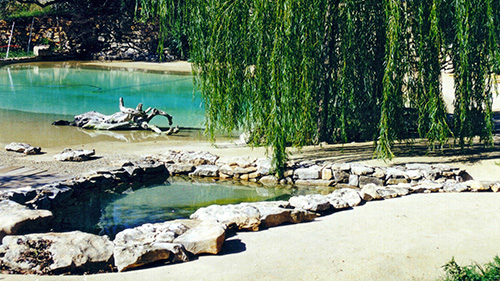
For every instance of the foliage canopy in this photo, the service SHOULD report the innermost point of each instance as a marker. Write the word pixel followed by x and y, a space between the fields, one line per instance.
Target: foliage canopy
pixel 295 72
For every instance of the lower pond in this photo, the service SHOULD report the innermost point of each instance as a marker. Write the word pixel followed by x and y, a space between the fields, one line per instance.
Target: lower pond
pixel 110 213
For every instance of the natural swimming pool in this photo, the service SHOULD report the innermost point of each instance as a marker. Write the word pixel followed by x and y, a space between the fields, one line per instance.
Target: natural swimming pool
pixel 32 96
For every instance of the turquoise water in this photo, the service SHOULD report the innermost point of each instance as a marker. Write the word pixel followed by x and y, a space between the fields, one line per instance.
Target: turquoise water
pixel 68 90
pixel 110 213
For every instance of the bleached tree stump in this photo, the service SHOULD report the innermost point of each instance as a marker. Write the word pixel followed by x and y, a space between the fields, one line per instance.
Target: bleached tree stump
pixel 125 119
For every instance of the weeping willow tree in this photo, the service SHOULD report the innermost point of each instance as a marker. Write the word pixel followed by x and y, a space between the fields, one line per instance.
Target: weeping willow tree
pixel 296 72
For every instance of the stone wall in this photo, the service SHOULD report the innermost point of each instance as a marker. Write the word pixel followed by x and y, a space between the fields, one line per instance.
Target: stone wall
pixel 97 37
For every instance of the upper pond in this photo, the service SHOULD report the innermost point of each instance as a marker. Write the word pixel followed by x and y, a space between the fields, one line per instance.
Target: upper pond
pixel 32 96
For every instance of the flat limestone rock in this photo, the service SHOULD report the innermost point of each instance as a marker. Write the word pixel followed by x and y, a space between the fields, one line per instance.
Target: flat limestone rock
pixel 369 192
pixel 195 158
pixel 180 168
pixel 311 202
pixel 142 254
pixel 74 155
pixel 150 243
pixel 240 216
pixel 311 173
pixel 361 170
pixel 205 171
pixel 276 213
pixel 23 148
pixel 205 238
pixel 264 166
pixel 269 180
pixel 17 218
pixel 454 187
pixel 57 252
pixel 344 198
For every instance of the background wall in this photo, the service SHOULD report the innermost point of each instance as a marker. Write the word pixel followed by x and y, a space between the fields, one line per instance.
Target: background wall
pixel 103 38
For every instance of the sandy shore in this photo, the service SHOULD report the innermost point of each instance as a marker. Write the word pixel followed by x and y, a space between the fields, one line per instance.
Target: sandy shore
pixel 407 238
pixel 177 67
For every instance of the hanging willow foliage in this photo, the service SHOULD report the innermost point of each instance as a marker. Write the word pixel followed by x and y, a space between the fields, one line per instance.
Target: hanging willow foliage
pixel 472 61
pixel 295 72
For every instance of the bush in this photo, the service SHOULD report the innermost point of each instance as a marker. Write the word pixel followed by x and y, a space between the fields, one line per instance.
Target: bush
pixel 490 271
pixel 14 53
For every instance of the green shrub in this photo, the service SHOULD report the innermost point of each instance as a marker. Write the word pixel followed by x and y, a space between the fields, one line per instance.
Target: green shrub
pixel 490 271
pixel 14 53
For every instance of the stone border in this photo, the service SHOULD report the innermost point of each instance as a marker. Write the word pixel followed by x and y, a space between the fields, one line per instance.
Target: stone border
pixel 204 232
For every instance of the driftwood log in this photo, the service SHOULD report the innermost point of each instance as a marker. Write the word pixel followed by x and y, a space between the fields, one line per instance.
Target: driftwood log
pixel 125 119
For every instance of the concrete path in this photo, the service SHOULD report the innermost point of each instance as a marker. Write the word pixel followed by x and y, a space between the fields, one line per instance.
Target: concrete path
pixel 407 238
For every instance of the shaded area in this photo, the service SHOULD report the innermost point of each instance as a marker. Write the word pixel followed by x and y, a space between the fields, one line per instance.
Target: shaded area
pixel 419 148
pixel 16 177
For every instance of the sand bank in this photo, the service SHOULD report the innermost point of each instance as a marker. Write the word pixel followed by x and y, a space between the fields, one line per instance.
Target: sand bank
pixel 177 67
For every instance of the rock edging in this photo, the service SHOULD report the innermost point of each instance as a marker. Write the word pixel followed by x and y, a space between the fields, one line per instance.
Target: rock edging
pixel 205 231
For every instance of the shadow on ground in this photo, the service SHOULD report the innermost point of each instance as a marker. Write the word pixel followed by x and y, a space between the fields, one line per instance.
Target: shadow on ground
pixel 354 152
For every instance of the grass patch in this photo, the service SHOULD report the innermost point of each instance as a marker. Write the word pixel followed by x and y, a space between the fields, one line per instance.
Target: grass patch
pixel 490 271
pixel 28 11
pixel 15 53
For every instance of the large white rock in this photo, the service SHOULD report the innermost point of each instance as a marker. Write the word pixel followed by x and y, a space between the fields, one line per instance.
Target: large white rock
pixel 269 180
pixel 242 162
pixel 369 192
pixel 275 213
pixel 180 168
pixel 326 174
pixel 23 148
pixel 361 170
pixel 476 185
pixel 205 238
pixel 206 171
pixel 311 173
pixel 354 180
pixel 240 216
pixel 395 173
pixel 150 243
pixel 341 166
pixel 414 174
pixel 16 218
pixel 57 252
pixel 311 202
pixel 227 170
pixel 190 157
pixel 365 180
pixel 264 166
pixel 132 256
pixel 344 198
pixel 454 187
pixel 387 193
pixel 426 186
pixel 77 155
pixel 314 183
